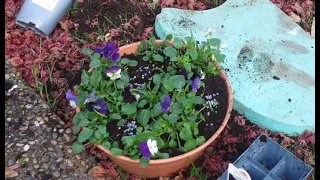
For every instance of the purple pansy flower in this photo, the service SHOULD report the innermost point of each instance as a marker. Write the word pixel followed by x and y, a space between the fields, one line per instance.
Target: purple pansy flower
pixel 143 146
pixel 72 99
pixel 114 72
pixel 166 104
pixel 109 50
pixel 195 84
pixel 99 106
pixel 148 148
pixel 88 98
pixel 127 96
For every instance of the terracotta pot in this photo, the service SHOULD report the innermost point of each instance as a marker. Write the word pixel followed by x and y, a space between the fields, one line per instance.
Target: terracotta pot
pixel 166 167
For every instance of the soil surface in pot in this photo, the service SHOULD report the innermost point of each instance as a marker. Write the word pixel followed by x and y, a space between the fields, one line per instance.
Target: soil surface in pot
pixel 215 90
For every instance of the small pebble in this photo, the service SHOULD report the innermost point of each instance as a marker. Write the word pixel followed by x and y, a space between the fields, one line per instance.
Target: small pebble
pixel 56 174
pixel 26 147
pixel 31 142
pixel 19 144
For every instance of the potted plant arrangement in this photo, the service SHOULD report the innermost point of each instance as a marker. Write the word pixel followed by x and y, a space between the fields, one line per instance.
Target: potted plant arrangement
pixel 152 106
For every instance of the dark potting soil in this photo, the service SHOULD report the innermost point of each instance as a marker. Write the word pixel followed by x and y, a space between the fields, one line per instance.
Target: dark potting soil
pixel 214 86
pixel 118 12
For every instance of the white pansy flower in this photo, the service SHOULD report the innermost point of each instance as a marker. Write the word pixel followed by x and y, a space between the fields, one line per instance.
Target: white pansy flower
pixel 114 72
pixel 202 74
pixel 152 146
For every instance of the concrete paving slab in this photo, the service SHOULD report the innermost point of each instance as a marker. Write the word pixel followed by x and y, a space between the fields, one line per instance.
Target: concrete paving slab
pixel 270 60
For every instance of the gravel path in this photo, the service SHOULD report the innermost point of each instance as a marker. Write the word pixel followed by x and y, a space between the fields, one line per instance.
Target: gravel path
pixel 37 139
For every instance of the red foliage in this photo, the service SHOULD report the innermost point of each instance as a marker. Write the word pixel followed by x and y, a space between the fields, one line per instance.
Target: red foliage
pixel 183 4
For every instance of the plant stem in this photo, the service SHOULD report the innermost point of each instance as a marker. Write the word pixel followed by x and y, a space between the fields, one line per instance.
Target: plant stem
pixel 101 114
pixel 178 139
pixel 137 90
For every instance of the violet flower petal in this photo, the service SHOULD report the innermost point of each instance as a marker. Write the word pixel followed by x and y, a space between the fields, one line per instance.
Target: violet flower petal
pixel 71 97
pixel 112 69
pixel 166 104
pixel 195 84
pixel 103 106
pixel 115 56
pixel 89 97
pixel 143 146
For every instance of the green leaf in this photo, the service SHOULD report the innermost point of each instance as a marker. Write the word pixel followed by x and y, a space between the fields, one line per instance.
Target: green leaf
pixel 132 63
pixel 195 131
pixel 198 100
pixel 84 122
pixel 95 64
pixel 170 51
pixel 158 58
pixel 187 66
pixel 84 77
pixel 174 59
pixel 176 108
pixel 177 43
pixel 144 136
pixel 102 129
pixel 116 151
pixel 178 81
pixel 106 144
pixel 168 85
pixel 97 134
pixel 156 79
pixel 160 142
pixel 163 155
pixel 121 122
pixel 193 54
pixel 77 147
pixel 95 57
pixel 173 118
pixel 214 41
pixel 115 116
pixel 173 143
pixel 143 116
pixel 85 135
pixel 128 109
pixel 95 79
pixel 185 133
pixel 120 84
pixel 115 144
pixel 79 116
pixel 87 51
pixel 76 129
pixel 220 57
pixel 156 110
pixel 127 140
pixel 190 144
pixel 200 140
pixel 169 37
pixel 142 103
pixel 124 61
pixel 144 162
pixel 135 157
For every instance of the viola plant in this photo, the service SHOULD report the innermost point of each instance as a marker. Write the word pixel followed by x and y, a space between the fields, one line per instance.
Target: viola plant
pixel 145 115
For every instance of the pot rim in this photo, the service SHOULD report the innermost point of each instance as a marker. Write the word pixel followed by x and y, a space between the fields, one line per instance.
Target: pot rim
pixel 223 75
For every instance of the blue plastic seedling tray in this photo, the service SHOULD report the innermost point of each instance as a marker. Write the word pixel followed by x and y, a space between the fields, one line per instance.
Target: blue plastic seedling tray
pixel 267 160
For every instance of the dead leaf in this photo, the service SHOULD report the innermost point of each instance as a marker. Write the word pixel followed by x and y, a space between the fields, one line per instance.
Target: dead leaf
pixel 100 172
pixel 313 32
pixel 240 120
pixel 9 173
pixel 15 61
pixel 64 26
pixel 295 17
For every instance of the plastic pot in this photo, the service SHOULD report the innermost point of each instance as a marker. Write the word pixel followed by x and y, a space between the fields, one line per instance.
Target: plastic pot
pixel 166 167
